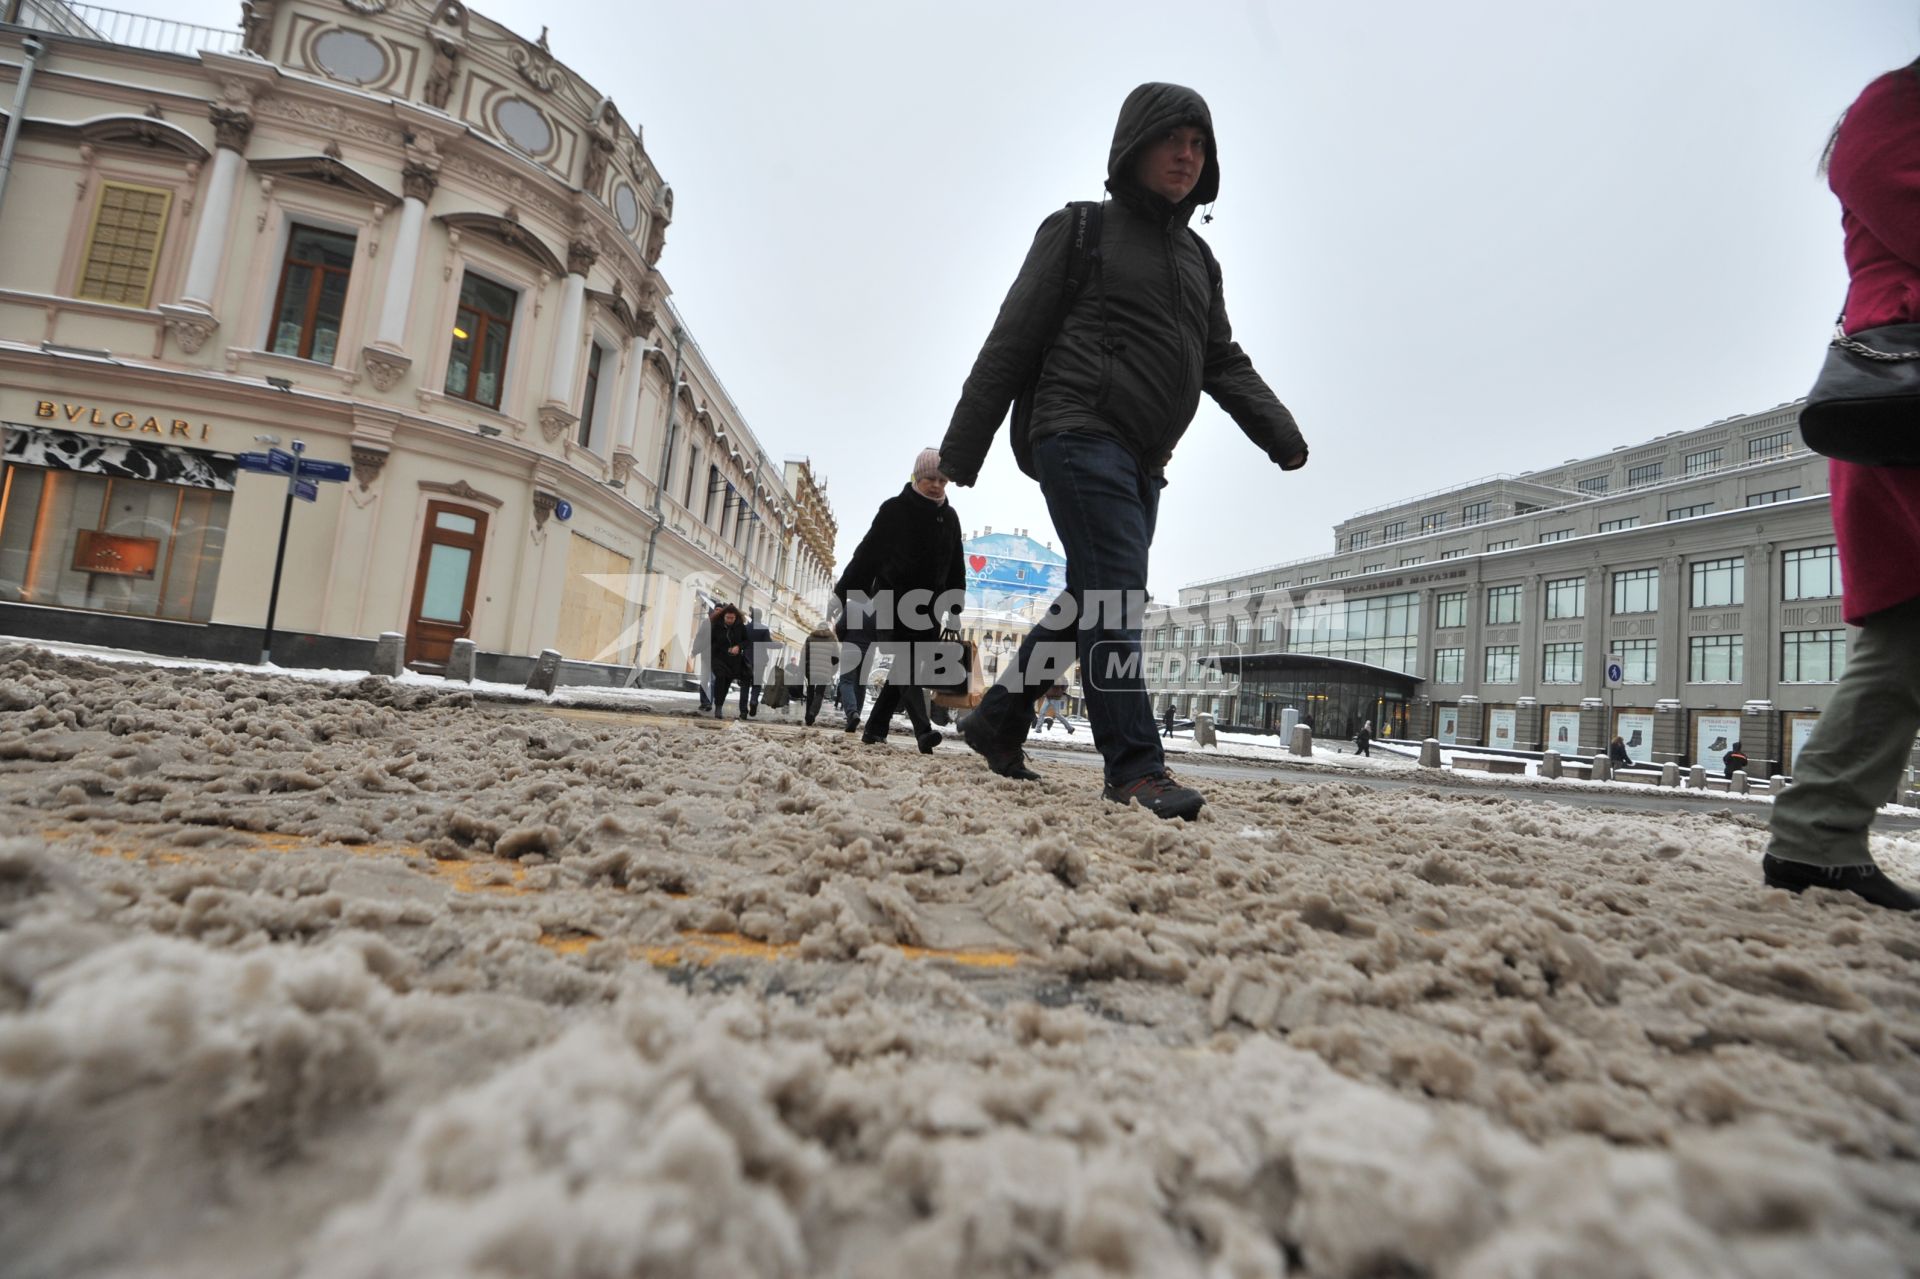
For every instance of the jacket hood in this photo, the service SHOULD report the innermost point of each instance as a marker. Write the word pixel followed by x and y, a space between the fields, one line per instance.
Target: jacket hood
pixel 1147 114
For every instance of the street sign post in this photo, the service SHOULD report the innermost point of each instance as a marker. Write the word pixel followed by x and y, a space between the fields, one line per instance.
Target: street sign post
pixel 304 478
pixel 1616 671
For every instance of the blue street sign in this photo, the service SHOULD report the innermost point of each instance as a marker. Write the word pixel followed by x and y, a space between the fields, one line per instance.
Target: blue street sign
pixel 282 461
pixel 563 509
pixel 334 472
pixel 306 490
pixel 259 463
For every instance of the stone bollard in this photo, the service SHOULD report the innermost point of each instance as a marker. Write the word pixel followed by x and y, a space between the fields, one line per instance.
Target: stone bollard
pixel 1602 769
pixel 1739 781
pixel 390 654
pixel 1203 731
pixel 1670 774
pixel 1697 777
pixel 546 671
pixel 1302 743
pixel 460 665
pixel 1430 753
pixel 1777 784
pixel 1550 765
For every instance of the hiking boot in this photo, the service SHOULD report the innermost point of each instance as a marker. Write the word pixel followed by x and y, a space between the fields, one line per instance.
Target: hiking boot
pixel 873 739
pixel 853 723
pixel 928 741
pixel 1160 795
pixel 1007 761
pixel 1864 880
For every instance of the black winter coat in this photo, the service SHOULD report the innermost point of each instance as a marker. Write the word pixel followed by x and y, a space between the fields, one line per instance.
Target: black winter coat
pixel 914 545
pixel 1146 334
pixel 729 665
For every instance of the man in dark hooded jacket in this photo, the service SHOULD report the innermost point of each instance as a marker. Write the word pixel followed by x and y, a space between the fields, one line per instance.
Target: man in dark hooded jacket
pixel 1120 366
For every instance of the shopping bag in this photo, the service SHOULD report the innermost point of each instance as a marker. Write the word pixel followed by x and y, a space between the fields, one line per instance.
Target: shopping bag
pixel 965 692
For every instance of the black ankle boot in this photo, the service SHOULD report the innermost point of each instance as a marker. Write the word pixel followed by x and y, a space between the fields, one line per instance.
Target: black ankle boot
pixel 1863 880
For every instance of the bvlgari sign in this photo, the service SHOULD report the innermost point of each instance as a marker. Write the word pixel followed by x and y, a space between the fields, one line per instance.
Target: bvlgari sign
pixel 125 420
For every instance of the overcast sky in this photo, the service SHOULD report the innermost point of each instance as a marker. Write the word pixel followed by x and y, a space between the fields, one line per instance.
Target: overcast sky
pixel 1457 239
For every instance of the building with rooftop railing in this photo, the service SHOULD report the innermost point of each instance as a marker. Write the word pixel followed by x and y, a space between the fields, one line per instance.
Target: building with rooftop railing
pixel 1485 614
pixel 424 247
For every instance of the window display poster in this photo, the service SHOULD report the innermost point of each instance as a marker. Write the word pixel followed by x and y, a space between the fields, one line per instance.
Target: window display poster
pixel 1500 730
pixel 1636 730
pixel 1449 726
pixel 1802 730
pixel 1563 732
pixel 1713 737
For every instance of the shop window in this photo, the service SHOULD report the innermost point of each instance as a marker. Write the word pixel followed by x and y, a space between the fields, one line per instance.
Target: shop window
pixel 312 294
pixel 123 244
pixel 107 543
pixel 482 332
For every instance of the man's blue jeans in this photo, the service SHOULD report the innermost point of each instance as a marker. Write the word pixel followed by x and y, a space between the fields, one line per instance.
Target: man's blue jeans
pixel 1103 504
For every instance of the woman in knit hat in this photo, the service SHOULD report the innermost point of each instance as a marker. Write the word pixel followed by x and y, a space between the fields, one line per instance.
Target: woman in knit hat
pixel 906 579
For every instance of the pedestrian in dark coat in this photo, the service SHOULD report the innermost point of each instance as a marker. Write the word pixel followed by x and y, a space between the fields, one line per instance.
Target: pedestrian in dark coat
pixel 1117 371
pixel 1734 760
pixel 729 651
pixel 908 577
pixel 1617 753
pixel 1364 738
pixel 1166 722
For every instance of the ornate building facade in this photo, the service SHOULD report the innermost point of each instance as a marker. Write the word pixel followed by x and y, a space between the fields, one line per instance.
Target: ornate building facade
pixel 415 242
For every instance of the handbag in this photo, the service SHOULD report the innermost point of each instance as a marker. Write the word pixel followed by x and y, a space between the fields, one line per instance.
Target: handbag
pixel 964 693
pixel 1865 405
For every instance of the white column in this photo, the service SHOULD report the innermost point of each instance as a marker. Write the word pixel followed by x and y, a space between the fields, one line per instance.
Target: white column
pixel 566 342
pixel 629 419
pixel 402 266
pixel 210 237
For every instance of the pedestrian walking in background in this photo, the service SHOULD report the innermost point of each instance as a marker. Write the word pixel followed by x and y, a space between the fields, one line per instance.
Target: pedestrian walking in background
pixel 760 654
pixel 1734 761
pixel 909 572
pixel 819 656
pixel 1107 338
pixel 1167 722
pixel 1860 746
pixel 702 657
pixel 1363 739
pixel 729 654
pixel 1617 753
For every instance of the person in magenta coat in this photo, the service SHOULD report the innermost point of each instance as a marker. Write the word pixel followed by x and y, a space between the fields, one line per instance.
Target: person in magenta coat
pixel 1861 746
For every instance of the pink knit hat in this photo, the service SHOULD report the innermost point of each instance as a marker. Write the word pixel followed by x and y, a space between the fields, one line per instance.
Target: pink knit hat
pixel 927 464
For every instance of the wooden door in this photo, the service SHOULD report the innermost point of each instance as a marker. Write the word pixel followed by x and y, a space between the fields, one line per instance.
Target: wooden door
pixel 444 583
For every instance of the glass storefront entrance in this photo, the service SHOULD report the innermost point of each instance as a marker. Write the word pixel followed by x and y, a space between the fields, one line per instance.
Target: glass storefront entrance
pixel 82 526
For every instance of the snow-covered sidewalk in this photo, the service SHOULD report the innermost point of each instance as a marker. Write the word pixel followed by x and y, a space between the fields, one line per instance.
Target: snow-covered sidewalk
pixel 346 977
